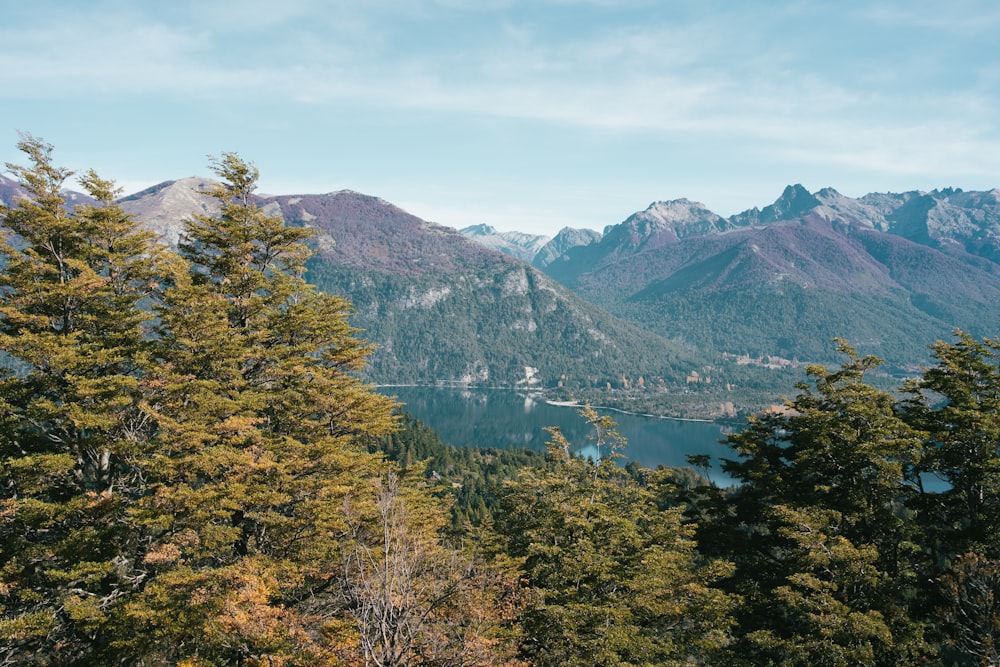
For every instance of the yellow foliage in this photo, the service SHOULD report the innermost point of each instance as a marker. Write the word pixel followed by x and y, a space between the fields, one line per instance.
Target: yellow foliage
pixel 162 554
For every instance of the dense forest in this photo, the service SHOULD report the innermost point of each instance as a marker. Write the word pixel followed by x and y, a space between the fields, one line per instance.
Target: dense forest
pixel 192 473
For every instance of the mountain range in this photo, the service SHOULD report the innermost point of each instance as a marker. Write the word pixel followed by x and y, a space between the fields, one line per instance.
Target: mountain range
pixel 445 309
pixel 439 307
pixel 889 272
pixel 671 299
pixel 537 250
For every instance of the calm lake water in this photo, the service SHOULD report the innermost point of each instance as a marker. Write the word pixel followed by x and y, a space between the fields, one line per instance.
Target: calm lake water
pixel 505 418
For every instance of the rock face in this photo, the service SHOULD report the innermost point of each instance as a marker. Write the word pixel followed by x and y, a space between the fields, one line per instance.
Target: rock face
pixel 164 207
pixel 516 244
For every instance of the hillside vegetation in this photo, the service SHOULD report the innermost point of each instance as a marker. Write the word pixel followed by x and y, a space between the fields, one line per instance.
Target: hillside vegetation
pixel 192 473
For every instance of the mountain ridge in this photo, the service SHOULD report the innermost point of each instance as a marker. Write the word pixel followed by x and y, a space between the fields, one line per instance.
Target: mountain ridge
pixel 521 245
pixel 922 263
pixel 439 307
pixel 660 300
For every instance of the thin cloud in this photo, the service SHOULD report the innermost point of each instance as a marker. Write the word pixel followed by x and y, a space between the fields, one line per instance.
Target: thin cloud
pixel 961 17
pixel 740 77
pixel 630 77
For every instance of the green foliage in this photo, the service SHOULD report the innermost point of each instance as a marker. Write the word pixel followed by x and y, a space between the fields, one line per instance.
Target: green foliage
pixel 71 416
pixel 480 329
pixel 823 551
pixel 258 425
pixel 179 441
pixel 192 472
pixel 472 478
pixel 613 579
pixel 957 403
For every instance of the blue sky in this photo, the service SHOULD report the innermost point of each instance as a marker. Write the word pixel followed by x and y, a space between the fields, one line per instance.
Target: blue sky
pixel 525 115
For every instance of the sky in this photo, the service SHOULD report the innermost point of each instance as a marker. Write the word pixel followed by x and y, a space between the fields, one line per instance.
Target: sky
pixel 526 115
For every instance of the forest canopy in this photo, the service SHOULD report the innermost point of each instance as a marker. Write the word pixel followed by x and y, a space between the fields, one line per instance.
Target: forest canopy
pixel 193 473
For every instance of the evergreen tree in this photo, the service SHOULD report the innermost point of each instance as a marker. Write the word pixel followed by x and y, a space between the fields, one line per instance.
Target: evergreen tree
pixel 259 417
pixel 183 450
pixel 956 403
pixel 612 578
pixel 824 553
pixel 71 424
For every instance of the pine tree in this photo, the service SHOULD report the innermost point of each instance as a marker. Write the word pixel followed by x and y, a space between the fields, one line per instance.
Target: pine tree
pixel 74 339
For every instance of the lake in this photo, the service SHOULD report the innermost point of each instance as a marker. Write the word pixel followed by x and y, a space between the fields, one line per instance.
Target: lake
pixel 505 418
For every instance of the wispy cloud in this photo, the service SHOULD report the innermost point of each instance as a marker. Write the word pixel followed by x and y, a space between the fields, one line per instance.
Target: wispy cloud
pixel 961 17
pixel 759 74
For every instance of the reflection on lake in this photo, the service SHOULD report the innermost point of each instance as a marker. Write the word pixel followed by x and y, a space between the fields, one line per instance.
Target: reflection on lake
pixel 504 418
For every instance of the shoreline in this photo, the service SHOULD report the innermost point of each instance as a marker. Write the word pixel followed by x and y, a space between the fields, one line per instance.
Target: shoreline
pixel 538 395
pixel 573 404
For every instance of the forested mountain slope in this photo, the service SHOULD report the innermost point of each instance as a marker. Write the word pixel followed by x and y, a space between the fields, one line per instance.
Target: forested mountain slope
pixel 440 307
pixel 443 308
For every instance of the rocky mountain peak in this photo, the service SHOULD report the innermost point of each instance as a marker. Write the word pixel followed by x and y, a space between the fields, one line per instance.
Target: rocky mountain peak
pixel 664 222
pixel 793 202
pixel 481 229
pixel 515 244
pixel 828 193
pixel 678 211
pixel 567 239
pixel 163 208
